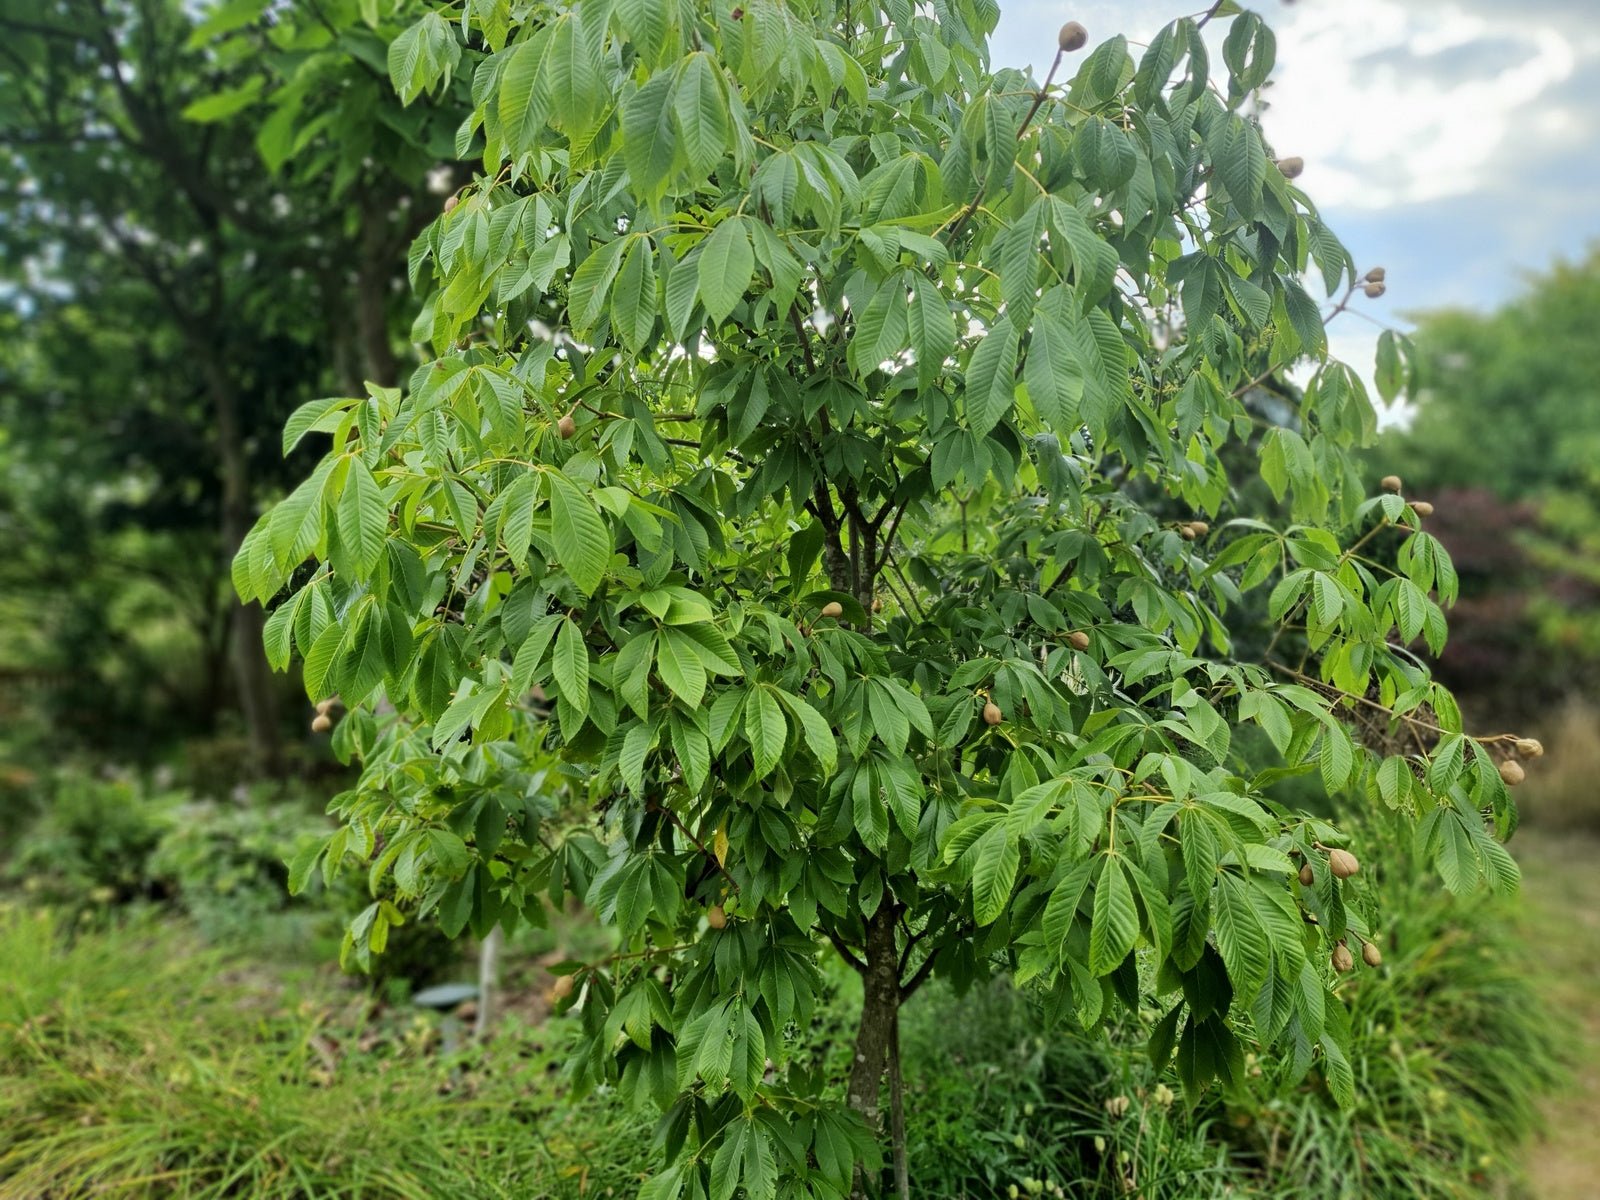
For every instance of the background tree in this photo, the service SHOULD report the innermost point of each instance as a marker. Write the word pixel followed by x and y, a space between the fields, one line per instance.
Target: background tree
pixel 1520 522
pixel 797 387
pixel 142 408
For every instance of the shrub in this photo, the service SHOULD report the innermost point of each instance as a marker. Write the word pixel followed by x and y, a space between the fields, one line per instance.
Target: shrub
pixel 90 845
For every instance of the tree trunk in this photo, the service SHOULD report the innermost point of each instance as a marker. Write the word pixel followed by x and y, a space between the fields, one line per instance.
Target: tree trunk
pixel 488 982
pixel 252 674
pixel 880 1020
pixel 373 277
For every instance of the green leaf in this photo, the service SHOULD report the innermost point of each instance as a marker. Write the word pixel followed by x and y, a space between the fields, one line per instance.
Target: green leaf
pixel 363 519
pixel 994 870
pixel 678 663
pixel 581 537
pixel 633 300
pixel 765 729
pixel 991 377
pixel 1116 919
pixel 569 666
pixel 701 112
pixel 726 264
pixel 649 139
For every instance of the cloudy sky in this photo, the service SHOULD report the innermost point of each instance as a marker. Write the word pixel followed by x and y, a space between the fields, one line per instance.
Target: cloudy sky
pixel 1456 142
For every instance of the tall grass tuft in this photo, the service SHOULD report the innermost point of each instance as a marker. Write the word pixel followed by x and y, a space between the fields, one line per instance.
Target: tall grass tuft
pixel 135 1064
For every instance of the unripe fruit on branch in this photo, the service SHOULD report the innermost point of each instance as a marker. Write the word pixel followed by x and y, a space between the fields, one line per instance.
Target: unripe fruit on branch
pixel 560 989
pixel 1307 876
pixel 1292 166
pixel 877 604
pixel 1073 36
pixel 1078 639
pixel 1377 275
pixel 716 918
pixel 1371 955
pixel 832 609
pixel 1530 747
pixel 1511 771
pixel 1200 528
pixel 1375 289
pixel 992 714
pixel 1343 960
pixel 321 723
pixel 326 706
pixel 450 202
pixel 1342 863
pixel 566 427
pixel 1391 483
pixel 1422 508
pixel 1186 531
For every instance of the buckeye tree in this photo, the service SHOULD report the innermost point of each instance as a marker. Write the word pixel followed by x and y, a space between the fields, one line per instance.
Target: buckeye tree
pixel 814 529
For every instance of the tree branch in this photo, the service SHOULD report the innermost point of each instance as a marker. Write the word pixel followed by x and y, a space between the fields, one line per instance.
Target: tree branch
pixel 845 952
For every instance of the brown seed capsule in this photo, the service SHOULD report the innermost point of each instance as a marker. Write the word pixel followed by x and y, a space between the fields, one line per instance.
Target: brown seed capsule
pixel 1342 863
pixel 832 609
pixel 1343 960
pixel 1307 876
pixel 566 427
pixel 1377 275
pixel 1422 508
pixel 1078 639
pixel 992 714
pixel 877 604
pixel 326 706
pixel 560 989
pixel 1375 289
pixel 1391 483
pixel 1186 531
pixel 1201 528
pixel 716 918
pixel 1292 166
pixel 1371 955
pixel 321 723
pixel 1530 747
pixel 1073 36
pixel 450 202
pixel 1511 771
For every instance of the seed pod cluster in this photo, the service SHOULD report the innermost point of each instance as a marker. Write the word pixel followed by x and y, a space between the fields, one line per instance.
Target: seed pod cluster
pixel 1072 36
pixel 323 721
pixel 1343 864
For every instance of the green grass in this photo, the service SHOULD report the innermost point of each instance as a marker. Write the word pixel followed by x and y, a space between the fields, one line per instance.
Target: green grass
pixel 138 1064
pixel 1562 921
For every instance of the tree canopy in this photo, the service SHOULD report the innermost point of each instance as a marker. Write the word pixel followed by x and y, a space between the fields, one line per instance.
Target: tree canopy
pixel 829 429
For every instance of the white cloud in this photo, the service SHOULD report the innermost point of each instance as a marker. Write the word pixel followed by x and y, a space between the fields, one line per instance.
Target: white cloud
pixel 1379 124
